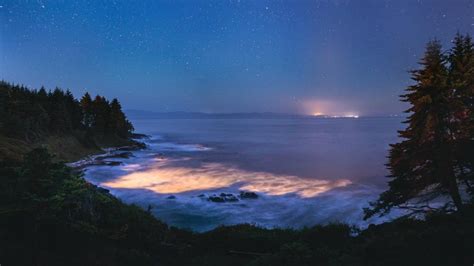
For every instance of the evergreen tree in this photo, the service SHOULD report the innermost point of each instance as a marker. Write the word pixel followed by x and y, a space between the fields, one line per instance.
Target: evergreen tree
pixel 74 110
pixel 60 121
pixel 422 164
pixel 23 116
pixel 101 111
pixel 4 97
pixel 32 115
pixel 118 122
pixel 461 82
pixel 42 97
pixel 87 110
pixel 37 172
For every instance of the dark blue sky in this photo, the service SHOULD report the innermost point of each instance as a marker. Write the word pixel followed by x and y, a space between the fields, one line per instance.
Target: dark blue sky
pixel 332 57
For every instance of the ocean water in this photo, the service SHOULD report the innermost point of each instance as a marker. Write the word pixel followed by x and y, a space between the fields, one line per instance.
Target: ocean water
pixel 304 171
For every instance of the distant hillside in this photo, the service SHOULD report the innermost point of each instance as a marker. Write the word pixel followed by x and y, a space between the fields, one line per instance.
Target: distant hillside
pixel 141 114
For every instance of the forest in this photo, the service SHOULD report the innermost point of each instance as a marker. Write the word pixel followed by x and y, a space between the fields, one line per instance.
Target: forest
pixel 32 117
pixel 50 215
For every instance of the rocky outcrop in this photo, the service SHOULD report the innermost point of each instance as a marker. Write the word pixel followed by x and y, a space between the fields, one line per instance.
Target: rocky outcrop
pixel 248 195
pixel 229 197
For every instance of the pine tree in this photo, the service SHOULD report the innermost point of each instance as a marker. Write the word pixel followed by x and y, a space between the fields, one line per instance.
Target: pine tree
pixel 32 115
pixel 422 164
pixel 461 82
pixel 86 104
pixel 74 110
pixel 116 116
pixel 60 121
pixel 4 99
pixel 42 97
pixel 119 125
pixel 101 113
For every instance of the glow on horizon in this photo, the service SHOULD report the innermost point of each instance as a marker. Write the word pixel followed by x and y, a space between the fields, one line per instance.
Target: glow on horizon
pixel 335 116
pixel 330 109
pixel 163 179
pixel 350 116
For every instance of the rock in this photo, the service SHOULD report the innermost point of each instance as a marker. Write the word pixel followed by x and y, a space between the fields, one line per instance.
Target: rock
pixel 133 147
pixel 128 148
pixel 171 197
pixel 201 195
pixel 223 197
pixel 106 163
pixel 248 195
pixel 140 136
pixel 216 199
pixel 124 155
pixel 231 199
pixel 112 163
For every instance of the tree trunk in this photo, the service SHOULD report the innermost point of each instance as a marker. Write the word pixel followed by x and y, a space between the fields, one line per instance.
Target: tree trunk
pixel 450 177
pixel 454 192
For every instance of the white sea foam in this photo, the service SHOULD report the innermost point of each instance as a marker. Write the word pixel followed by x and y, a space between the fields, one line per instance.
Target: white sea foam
pixel 169 146
pixel 309 175
pixel 284 200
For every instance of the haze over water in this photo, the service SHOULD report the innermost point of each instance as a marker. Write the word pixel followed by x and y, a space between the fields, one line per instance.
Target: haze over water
pixel 305 171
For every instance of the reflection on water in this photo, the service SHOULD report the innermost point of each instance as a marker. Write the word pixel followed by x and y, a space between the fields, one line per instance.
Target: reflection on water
pixel 305 172
pixel 174 180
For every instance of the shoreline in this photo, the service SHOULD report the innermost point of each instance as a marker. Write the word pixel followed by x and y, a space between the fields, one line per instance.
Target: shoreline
pixel 110 152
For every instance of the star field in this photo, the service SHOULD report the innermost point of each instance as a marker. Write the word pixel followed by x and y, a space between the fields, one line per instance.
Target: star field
pixel 227 56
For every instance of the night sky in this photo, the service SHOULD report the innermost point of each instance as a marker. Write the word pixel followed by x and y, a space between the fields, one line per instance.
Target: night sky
pixel 331 57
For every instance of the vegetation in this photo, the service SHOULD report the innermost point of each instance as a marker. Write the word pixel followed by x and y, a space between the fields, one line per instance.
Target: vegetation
pixel 49 215
pixel 57 119
pixel 52 216
pixel 436 156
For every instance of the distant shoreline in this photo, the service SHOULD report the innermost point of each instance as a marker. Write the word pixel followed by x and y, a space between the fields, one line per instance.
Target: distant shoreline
pixel 141 114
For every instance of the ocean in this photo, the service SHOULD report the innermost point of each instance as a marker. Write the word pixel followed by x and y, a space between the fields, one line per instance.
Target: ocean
pixel 303 171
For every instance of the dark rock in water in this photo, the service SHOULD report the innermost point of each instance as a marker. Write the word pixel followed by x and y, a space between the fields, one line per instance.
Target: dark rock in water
pixel 112 163
pixel 140 136
pixel 106 163
pixel 135 146
pixel 248 195
pixel 124 155
pixel 223 197
pixel 231 199
pixel 171 197
pixel 201 195
pixel 128 148
pixel 216 199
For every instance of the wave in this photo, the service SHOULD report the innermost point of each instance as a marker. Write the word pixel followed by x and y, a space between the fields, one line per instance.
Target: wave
pixel 158 145
pixel 173 185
